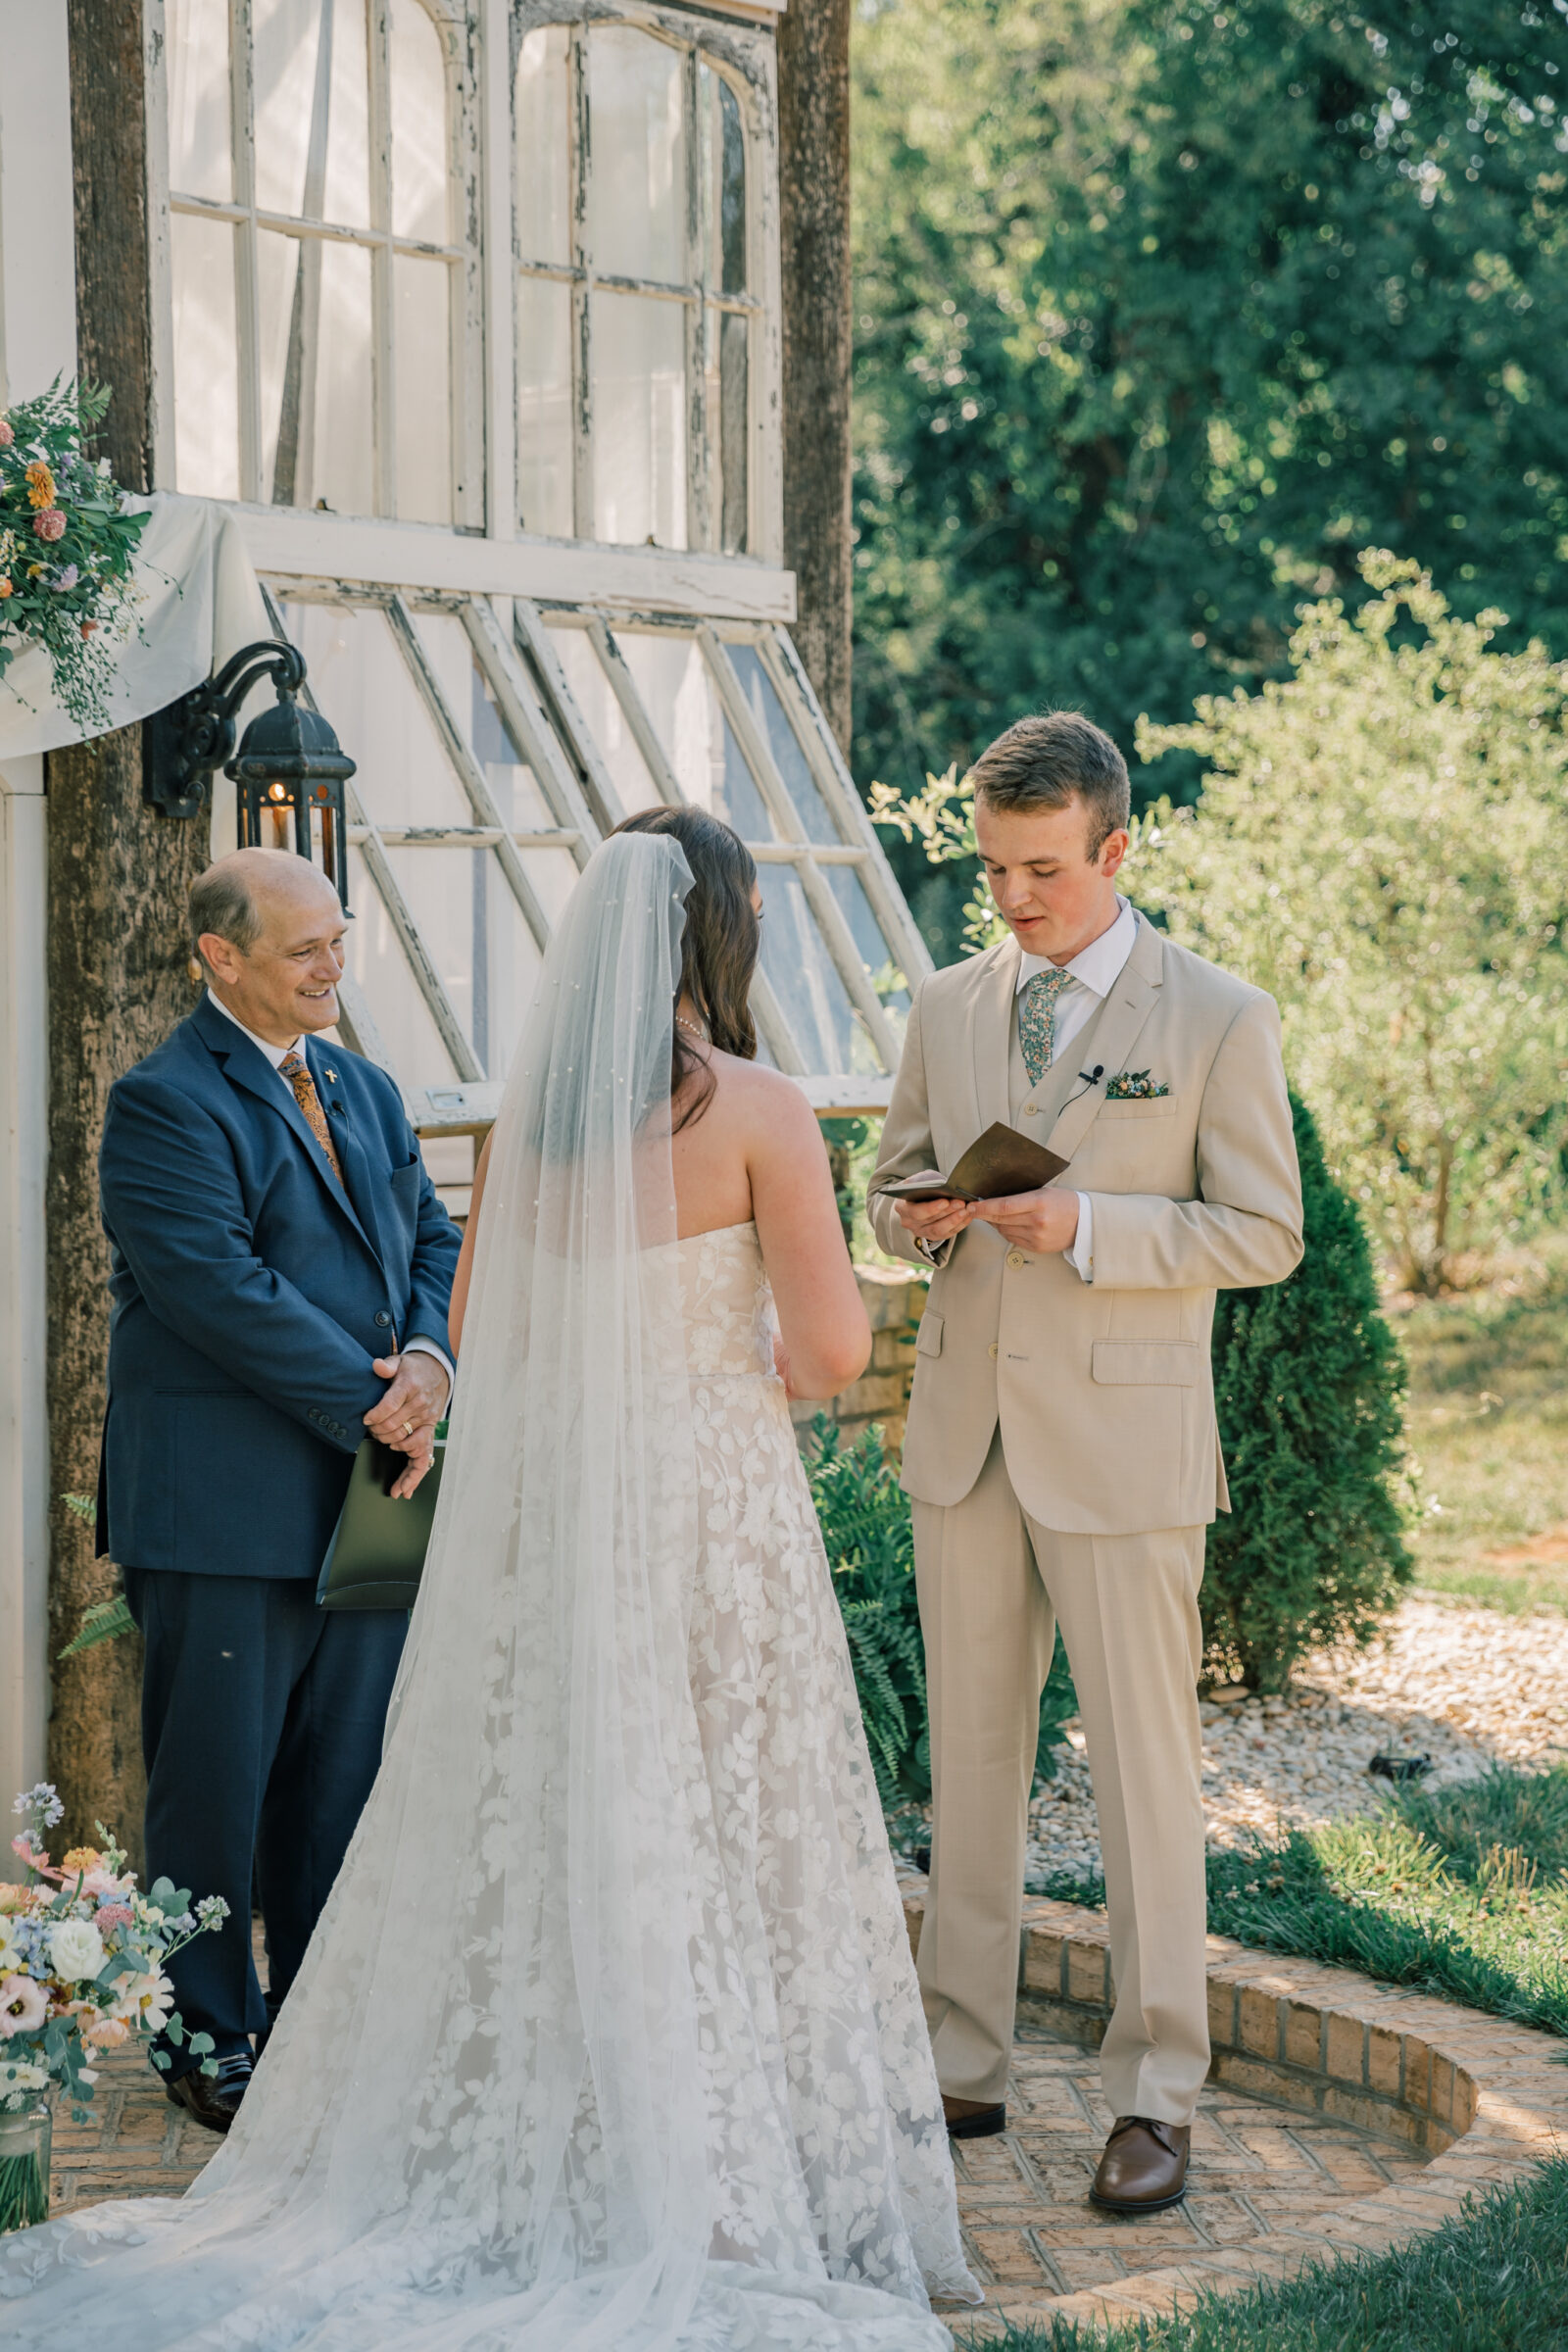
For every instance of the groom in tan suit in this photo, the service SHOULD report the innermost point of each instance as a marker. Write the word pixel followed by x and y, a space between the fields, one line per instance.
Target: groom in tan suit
pixel 1062 1452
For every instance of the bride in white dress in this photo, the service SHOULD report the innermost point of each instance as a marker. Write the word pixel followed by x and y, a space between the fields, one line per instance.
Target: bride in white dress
pixel 609 2040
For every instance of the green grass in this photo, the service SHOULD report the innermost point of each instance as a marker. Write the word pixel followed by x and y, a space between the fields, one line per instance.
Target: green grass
pixel 1494 2279
pixel 1488 1428
pixel 1462 1893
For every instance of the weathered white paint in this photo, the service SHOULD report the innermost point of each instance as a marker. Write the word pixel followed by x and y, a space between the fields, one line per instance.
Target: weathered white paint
pixel 24 1160
pixel 38 235
pixel 37 342
pixel 333 549
pixel 472 1109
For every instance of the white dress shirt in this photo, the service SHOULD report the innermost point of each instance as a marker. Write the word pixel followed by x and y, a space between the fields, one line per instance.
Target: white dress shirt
pixel 277 1055
pixel 1092 975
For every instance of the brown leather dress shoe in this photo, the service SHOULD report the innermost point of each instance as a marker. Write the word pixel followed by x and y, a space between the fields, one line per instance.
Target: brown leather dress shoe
pixel 212 2099
pixel 973 2118
pixel 1144 2167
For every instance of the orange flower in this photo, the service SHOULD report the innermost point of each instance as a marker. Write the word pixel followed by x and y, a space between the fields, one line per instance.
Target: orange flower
pixel 88 627
pixel 5 589
pixel 40 484
pixel 81 1857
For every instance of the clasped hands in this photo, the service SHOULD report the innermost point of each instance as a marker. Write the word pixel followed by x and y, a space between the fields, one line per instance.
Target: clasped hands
pixel 1041 1222
pixel 407 1415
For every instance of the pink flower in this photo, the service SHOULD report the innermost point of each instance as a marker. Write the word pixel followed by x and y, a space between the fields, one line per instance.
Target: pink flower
pixel 24 2005
pixel 33 1856
pixel 112 1915
pixel 7 436
pixel 50 524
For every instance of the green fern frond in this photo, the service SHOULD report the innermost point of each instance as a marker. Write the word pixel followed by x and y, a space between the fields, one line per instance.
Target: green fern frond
pixel 105 1621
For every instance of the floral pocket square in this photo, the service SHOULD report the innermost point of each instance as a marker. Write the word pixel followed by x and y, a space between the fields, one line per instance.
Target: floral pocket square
pixel 1134 1086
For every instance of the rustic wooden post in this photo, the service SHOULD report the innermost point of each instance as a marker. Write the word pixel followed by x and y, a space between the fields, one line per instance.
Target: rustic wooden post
pixel 119 975
pixel 814 76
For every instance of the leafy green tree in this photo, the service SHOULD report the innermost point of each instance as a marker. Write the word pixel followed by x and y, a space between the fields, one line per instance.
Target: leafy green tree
pixel 1163 311
pixel 1307 1382
pixel 1382 845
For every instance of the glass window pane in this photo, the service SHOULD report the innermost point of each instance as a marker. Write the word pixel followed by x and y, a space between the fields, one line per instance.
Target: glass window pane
pixel 377 960
pixel 206 358
pixel 462 684
pixel 363 684
pixel 637 186
pixel 734 432
pixel 310 62
pixel 343 468
pixel 731 162
pixel 418 126
pixel 197 49
pixel 829 1032
pixel 639 419
pixel 886 975
pixel 543 101
pixel 422 335
pixel 788 758
pixel 605 719
pixel 682 703
pixel 277 288
pixel 543 407
pixel 474 934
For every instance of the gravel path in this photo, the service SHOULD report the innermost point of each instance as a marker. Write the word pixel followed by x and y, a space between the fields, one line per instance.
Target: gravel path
pixel 1462 1686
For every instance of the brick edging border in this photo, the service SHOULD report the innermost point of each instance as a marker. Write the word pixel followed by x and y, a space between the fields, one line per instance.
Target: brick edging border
pixel 1485 2098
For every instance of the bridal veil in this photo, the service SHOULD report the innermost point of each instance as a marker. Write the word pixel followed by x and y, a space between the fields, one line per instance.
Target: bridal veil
pixel 480 2124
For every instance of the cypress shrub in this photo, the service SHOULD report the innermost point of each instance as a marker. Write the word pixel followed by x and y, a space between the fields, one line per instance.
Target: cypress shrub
pixel 1307 1380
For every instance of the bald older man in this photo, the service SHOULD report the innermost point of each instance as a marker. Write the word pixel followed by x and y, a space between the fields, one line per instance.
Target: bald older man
pixel 280 1269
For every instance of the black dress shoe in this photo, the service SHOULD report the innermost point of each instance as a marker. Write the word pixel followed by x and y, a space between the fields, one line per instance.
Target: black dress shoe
pixel 212 2099
pixel 973 2118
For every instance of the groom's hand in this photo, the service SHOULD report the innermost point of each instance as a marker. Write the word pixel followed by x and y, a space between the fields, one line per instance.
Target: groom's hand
pixel 1041 1222
pixel 933 1220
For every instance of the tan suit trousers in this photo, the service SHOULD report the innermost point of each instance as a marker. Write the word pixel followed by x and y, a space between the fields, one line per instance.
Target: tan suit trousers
pixel 993 1583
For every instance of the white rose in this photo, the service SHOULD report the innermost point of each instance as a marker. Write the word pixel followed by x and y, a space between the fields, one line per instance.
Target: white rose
pixel 76 1950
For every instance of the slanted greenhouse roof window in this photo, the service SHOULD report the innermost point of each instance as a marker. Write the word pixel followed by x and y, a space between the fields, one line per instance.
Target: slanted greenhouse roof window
pixel 488 770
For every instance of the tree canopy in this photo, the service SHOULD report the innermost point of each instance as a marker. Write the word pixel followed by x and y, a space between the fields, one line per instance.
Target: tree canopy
pixel 1163 312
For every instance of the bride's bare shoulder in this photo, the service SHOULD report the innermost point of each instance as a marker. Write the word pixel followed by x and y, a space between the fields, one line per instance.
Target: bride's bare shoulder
pixel 753 1091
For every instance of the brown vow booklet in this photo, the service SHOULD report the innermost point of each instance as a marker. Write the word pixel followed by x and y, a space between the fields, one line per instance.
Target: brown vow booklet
pixel 998 1162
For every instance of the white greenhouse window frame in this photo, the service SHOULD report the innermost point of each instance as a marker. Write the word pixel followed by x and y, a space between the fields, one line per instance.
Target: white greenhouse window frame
pixel 510 696
pixel 318 235
pixel 715 281
pixel 825 1013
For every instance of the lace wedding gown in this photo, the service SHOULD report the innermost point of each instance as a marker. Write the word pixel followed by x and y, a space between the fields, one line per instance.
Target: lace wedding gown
pixel 608 2038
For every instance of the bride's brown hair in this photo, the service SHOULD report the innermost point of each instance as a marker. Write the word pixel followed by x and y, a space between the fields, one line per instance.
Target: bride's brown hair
pixel 719 947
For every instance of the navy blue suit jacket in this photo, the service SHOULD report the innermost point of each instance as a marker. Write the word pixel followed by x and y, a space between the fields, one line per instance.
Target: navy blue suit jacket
pixel 251 1298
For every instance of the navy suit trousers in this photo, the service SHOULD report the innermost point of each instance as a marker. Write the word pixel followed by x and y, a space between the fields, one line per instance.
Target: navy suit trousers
pixel 262 1720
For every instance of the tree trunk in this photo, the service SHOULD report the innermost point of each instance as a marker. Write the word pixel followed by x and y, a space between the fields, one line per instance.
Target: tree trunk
pixel 814 76
pixel 119 975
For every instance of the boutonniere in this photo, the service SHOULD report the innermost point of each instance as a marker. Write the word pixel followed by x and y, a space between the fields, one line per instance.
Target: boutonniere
pixel 1134 1086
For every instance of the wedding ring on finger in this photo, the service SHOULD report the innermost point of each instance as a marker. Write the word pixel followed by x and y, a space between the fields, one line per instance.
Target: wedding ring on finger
pixel 407 1429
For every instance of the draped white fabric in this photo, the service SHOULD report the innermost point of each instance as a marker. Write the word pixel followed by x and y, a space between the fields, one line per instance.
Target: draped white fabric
pixel 532 2092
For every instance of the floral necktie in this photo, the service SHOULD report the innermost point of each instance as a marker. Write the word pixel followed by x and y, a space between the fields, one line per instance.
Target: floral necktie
pixel 1037 1020
pixel 294 1068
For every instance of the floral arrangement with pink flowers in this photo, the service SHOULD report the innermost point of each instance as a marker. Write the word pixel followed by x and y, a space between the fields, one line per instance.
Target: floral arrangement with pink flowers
pixel 67 546
pixel 82 1953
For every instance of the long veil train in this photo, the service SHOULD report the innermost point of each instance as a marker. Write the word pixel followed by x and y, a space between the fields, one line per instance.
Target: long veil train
pixel 483 2124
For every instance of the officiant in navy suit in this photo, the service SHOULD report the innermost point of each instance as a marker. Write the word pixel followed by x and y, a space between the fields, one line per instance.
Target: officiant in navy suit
pixel 280 1269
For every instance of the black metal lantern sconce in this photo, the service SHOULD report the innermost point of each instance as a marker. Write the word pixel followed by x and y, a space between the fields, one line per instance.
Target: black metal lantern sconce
pixel 289 763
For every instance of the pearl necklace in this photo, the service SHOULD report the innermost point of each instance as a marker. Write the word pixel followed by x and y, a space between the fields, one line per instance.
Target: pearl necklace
pixel 691 1028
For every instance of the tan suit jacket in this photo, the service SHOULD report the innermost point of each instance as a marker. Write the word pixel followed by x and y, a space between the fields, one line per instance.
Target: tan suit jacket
pixel 1104 1390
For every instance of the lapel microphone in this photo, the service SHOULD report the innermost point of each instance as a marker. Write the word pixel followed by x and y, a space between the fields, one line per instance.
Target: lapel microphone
pixel 1090 1078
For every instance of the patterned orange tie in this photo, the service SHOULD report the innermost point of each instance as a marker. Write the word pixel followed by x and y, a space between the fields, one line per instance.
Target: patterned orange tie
pixel 295 1070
